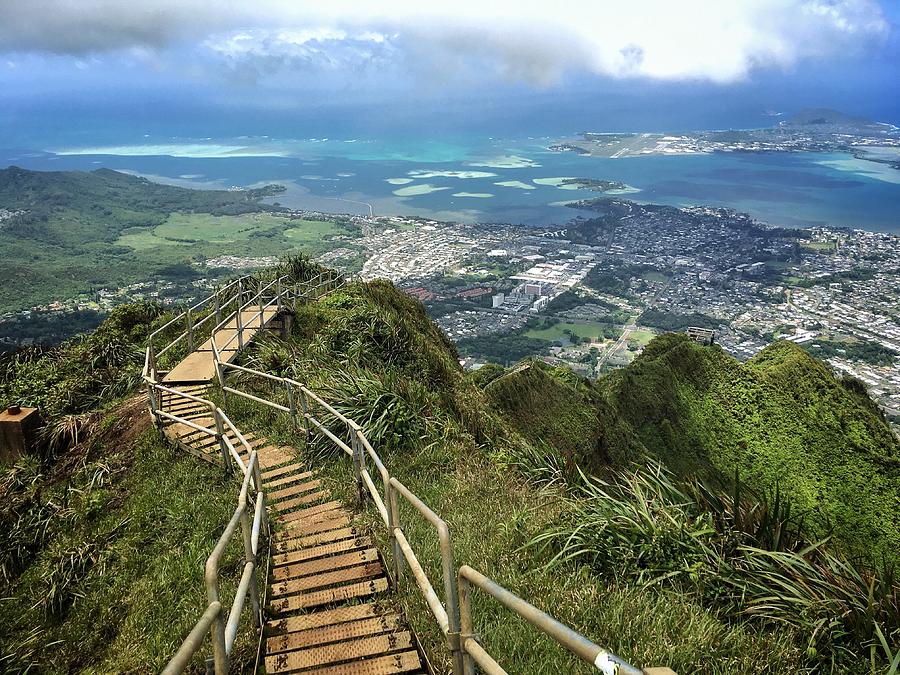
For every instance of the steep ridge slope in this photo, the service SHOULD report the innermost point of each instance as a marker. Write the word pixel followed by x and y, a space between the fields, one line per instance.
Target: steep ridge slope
pixel 782 419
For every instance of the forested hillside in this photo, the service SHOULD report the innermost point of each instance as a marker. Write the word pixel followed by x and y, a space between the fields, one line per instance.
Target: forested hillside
pixel 63 235
pixel 613 505
pixel 781 420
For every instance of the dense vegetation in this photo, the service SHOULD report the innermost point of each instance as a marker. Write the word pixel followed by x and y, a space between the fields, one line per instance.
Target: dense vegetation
pixel 375 355
pixel 746 552
pixel 101 553
pixel 867 352
pixel 614 278
pixel 506 348
pixel 673 322
pixel 78 232
pixel 782 418
pixel 86 372
pixel 614 505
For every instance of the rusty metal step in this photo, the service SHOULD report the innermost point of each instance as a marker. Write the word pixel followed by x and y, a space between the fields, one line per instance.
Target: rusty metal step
pixel 323 550
pixel 308 498
pixel 333 562
pixel 287 480
pixel 330 595
pixel 325 579
pixel 302 514
pixel 316 539
pixel 271 461
pixel 294 490
pixel 280 471
pixel 297 526
pixel 401 662
pixel 336 520
pixel 326 617
pixel 386 623
pixel 188 407
pixel 345 651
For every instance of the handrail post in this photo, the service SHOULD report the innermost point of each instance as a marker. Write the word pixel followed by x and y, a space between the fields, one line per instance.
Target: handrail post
pixel 261 303
pixel 246 530
pixel 240 326
pixel 217 629
pixel 358 460
pixel 291 403
pixel 223 446
pixel 190 330
pixel 151 399
pixel 278 294
pixel 304 404
pixel 257 480
pixel 152 360
pixel 220 373
pixel 466 626
pixel 394 525
pixel 218 308
pixel 452 598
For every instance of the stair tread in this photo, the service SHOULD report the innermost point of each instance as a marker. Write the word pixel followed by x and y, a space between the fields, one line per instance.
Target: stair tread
pixel 308 498
pixel 316 539
pixel 386 623
pixel 287 480
pixel 320 551
pixel 344 651
pixel 330 595
pixel 324 579
pixel 280 471
pixel 333 562
pixel 332 522
pixel 294 490
pixel 287 518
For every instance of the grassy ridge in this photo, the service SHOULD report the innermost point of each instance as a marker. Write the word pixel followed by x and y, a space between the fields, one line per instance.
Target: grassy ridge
pixel 76 232
pixel 782 418
pixel 373 353
pixel 103 553
pixel 480 449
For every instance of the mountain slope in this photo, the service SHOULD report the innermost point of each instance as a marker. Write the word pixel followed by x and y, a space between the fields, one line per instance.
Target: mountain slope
pixel 782 418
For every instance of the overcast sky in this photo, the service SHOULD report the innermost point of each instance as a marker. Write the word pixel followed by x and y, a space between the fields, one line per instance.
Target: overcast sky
pixel 277 54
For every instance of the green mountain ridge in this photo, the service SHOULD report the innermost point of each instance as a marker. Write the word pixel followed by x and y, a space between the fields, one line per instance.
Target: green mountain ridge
pixel 62 238
pixel 782 419
pixel 676 583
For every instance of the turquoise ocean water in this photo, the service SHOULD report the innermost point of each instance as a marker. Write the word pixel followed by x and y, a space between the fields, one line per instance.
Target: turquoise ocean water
pixel 484 179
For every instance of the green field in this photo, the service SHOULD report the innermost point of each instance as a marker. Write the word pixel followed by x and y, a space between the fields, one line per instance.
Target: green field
pixel 310 231
pixel 78 232
pixel 181 229
pixel 651 275
pixel 555 333
pixel 642 337
pixel 819 245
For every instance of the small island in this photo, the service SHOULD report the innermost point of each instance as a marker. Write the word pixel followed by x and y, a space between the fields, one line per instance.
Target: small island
pixel 594 184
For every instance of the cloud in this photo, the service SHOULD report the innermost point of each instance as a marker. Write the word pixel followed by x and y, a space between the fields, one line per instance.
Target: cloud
pixel 532 40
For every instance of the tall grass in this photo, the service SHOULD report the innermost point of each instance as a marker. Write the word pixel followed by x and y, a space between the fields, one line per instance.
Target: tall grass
pixel 741 553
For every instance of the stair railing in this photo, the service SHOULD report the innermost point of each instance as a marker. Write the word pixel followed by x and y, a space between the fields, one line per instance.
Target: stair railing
pixel 223 632
pixel 453 615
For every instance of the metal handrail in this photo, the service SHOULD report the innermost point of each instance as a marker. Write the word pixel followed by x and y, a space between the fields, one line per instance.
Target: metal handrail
pixel 194 641
pixel 223 632
pixel 454 615
pixel 576 643
pixel 453 618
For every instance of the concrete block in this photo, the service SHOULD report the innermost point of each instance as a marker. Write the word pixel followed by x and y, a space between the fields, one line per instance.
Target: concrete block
pixel 18 432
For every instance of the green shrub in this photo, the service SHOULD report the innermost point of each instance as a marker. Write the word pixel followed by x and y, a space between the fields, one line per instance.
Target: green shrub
pixel 744 554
